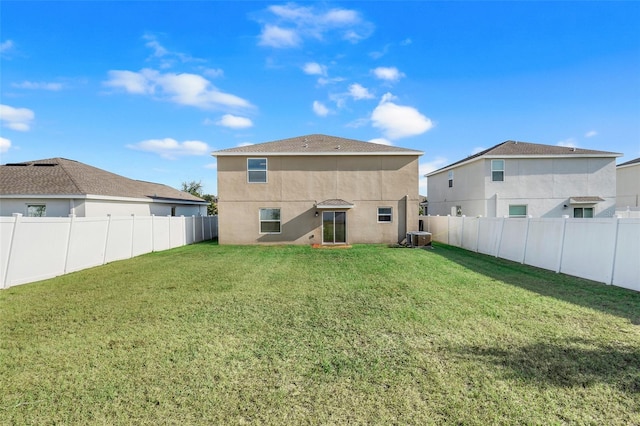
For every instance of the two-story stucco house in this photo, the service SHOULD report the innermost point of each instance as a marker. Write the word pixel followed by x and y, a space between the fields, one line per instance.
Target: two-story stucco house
pixel 628 184
pixel 519 179
pixel 317 189
pixel 58 187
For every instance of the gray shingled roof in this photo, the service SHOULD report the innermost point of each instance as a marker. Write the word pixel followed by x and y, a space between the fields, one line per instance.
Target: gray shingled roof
pixel 520 149
pixel 630 162
pixel 317 145
pixel 59 176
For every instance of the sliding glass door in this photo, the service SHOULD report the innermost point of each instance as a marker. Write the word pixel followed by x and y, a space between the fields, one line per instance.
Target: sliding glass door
pixel 334 227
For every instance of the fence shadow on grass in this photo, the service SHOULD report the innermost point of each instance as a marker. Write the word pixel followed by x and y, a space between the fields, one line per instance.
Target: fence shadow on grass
pixel 609 299
pixel 566 363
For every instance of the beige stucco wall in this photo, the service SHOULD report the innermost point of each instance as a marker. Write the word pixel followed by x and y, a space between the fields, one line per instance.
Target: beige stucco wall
pixel 628 186
pixel 544 185
pixel 297 183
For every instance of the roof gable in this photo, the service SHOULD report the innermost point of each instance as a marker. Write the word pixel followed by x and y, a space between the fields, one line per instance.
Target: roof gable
pixel 60 176
pixel 518 149
pixel 316 144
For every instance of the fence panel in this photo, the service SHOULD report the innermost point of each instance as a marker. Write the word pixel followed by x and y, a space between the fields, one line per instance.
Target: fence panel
pixel 86 252
pixel 489 231
pixel 513 239
pixel 38 250
pixel 120 239
pixel 161 233
pixel 6 235
pixel 470 233
pixel 544 243
pixel 626 270
pixel 142 240
pixel 588 248
pixel 176 232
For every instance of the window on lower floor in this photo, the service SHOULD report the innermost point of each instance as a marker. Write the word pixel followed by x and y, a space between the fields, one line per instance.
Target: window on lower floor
pixel 36 210
pixel 385 214
pixel 517 210
pixel 583 212
pixel 270 221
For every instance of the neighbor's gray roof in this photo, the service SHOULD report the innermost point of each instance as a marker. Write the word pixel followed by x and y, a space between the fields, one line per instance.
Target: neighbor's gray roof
pixel 317 145
pixel 59 176
pixel 630 162
pixel 525 149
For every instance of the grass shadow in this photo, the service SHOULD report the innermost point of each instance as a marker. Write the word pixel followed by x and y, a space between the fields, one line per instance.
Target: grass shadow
pixel 609 299
pixel 565 363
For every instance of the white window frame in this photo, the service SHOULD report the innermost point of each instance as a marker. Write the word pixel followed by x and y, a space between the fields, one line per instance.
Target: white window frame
pixel 265 170
pixel 390 214
pixel 495 169
pixel 450 178
pixel 526 210
pixel 261 221
pixel 42 206
pixel 593 211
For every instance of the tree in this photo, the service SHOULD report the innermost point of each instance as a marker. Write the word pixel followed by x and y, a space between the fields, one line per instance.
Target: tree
pixel 195 188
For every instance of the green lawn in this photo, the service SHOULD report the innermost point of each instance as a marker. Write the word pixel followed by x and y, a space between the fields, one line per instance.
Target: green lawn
pixel 209 334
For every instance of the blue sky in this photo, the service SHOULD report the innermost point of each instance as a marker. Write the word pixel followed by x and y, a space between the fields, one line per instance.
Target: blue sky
pixel 149 89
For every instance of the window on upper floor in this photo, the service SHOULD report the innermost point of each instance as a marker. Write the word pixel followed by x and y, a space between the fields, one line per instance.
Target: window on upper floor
pixel 257 170
pixel 497 170
pixel 36 210
pixel 385 214
pixel 450 178
pixel 270 221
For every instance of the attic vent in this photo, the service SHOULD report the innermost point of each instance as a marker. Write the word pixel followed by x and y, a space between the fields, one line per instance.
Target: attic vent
pixel 44 165
pixel 17 164
pixel 338 147
pixel 306 145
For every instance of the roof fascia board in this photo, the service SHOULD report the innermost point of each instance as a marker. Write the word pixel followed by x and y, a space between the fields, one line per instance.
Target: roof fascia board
pixel 522 156
pixel 300 154
pixel 101 198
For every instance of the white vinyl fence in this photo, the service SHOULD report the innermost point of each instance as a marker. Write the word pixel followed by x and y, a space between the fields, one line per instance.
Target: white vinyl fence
pixel 603 250
pixel 37 248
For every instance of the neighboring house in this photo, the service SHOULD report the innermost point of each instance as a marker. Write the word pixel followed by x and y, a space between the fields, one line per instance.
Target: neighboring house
pixel 628 184
pixel 59 187
pixel 519 179
pixel 317 189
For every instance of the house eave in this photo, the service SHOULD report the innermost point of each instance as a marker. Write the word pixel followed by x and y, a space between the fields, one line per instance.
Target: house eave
pixel 101 198
pixel 310 154
pixel 520 156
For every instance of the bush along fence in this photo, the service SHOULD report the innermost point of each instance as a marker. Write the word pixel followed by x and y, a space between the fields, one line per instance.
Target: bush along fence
pixel 37 248
pixel 603 250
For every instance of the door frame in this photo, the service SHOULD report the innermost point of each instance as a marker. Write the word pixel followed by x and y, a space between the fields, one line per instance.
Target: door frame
pixel 333 212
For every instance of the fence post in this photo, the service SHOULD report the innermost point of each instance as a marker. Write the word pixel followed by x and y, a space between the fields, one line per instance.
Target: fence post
pixel 193 228
pixel 500 237
pixel 462 233
pixel 615 249
pixel 133 229
pixel 184 230
pixel 564 229
pixel 106 239
pixel 153 233
pixel 72 219
pixel 17 218
pixel 526 239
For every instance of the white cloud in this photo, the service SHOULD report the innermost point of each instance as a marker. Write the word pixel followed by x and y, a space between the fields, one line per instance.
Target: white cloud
pixel 171 149
pixel 320 109
pixel 569 143
pixel 388 73
pixel 213 72
pixel 289 25
pixel 275 36
pixel 477 150
pixel 428 167
pixel 152 43
pixel 41 85
pixel 314 68
pixel 16 118
pixel 398 121
pixel 358 92
pixel 406 42
pixel 241 144
pixel 5 144
pixel 212 166
pixel 234 122
pixel 381 141
pixel 184 89
pixel 590 134
pixel 5 46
